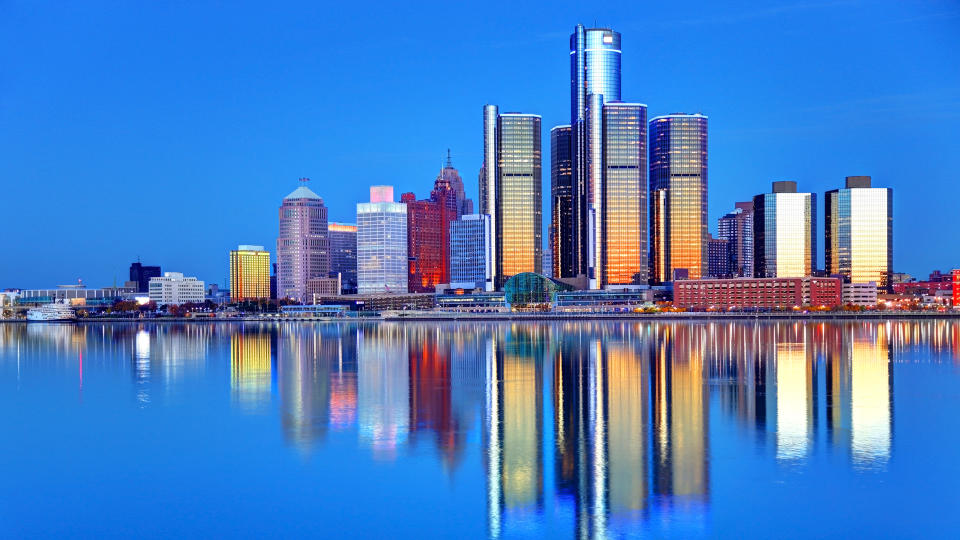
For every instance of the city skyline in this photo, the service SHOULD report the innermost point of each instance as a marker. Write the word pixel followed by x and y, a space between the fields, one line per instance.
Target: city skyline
pixel 99 252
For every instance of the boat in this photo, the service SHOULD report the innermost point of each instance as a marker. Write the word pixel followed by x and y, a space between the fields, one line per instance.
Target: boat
pixel 52 313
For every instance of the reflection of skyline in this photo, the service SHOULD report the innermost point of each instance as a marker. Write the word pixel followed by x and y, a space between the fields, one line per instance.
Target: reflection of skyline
pixel 250 369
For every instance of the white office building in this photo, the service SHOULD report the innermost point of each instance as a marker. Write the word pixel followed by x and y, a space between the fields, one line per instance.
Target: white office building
pixel 381 244
pixel 176 289
pixel 860 294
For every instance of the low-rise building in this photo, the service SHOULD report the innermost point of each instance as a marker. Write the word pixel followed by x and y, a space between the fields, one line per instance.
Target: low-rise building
pixel 76 295
pixel 860 294
pixel 757 293
pixel 956 287
pixel 176 289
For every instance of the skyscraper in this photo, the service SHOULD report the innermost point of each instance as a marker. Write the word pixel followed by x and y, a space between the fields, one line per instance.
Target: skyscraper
pixel 451 177
pixel 561 203
pixel 343 254
pixel 303 248
pixel 678 196
pixel 381 243
pixel 510 190
pixel 784 227
pixel 428 236
pixel 737 228
pixel 471 252
pixel 141 275
pixel 858 232
pixel 594 80
pixel 718 257
pixel 249 273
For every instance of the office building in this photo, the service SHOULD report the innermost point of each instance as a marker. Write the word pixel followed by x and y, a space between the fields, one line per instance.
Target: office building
pixel 594 79
pixel 249 273
pixel 451 177
pixel 858 232
pixel 174 289
pixel 718 257
pixel 303 247
pixel 428 236
pixel 381 243
pixel 860 294
pixel 561 203
pixel 678 196
pixel 77 295
pixel 510 190
pixel 737 228
pixel 141 275
pixel 764 293
pixel 784 228
pixel 471 253
pixel 343 254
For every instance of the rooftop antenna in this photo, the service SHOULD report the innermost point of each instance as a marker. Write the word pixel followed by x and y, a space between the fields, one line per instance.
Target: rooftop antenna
pixel 449 162
pixel 304 180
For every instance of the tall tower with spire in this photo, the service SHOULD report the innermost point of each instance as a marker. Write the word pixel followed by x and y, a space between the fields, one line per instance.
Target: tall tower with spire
pixel 451 177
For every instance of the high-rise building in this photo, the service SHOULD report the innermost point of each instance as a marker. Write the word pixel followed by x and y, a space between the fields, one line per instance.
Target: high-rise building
pixel 678 196
pixel 249 273
pixel 141 275
pixel 718 257
pixel 303 247
pixel 174 289
pixel 784 229
pixel 428 237
pixel 510 190
pixel 381 243
pixel 594 80
pixel 858 232
pixel 471 252
pixel 343 254
pixel 451 177
pixel 737 228
pixel 561 203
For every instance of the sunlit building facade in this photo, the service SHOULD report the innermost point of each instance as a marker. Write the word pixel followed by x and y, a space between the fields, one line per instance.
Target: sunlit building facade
pixel 678 196
pixel 249 273
pixel 561 203
pixel 303 247
pixel 381 243
pixel 428 234
pixel 858 232
pixel 784 226
pixel 737 228
pixel 510 191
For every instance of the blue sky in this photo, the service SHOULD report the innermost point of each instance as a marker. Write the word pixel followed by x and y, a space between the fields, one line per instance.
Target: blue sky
pixel 172 130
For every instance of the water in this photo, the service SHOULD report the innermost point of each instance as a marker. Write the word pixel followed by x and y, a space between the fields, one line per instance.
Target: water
pixel 470 430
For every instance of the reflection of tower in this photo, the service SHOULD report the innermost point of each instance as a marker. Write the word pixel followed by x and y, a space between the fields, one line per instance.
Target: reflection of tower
pixel 796 394
pixel 430 394
pixel 383 389
pixel 627 429
pixel 141 366
pixel 343 383
pixel 250 368
pixel 303 358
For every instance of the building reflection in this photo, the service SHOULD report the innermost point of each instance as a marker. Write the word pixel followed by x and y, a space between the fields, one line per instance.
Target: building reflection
pixel 250 369
pixel 383 389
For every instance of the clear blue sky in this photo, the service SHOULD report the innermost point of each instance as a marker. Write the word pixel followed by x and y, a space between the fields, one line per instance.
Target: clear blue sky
pixel 171 130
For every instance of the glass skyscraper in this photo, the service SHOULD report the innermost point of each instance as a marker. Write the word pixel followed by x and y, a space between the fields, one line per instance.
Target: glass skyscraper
pixel 561 208
pixel 678 196
pixel 471 252
pixel 381 243
pixel 594 79
pixel 784 229
pixel 858 232
pixel 511 192
pixel 737 228
pixel 303 248
pixel 249 273
pixel 343 254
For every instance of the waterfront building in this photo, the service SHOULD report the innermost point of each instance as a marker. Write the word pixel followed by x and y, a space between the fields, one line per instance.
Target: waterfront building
pixel 784 227
pixel 141 275
pixel 737 228
pixel 471 252
pixel 860 294
pixel 343 254
pixel 594 80
pixel 451 177
pixel 174 289
pixel 678 196
pixel 303 247
pixel 718 257
pixel 561 204
pixel 77 295
pixel 858 232
pixel 381 243
pixel 510 190
pixel 249 273
pixel 956 287
pixel 428 236
pixel 764 293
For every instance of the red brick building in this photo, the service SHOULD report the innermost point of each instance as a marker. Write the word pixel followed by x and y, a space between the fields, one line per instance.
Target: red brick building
pixel 956 288
pixel 918 288
pixel 767 293
pixel 428 237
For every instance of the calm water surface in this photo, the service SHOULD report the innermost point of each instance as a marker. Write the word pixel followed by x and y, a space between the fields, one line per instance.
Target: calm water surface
pixel 470 430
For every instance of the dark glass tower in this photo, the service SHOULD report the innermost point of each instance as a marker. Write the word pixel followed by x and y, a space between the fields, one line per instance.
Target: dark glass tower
pixel 561 208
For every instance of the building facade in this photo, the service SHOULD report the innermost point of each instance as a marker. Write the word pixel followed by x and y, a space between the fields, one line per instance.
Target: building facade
pixel 303 247
pixel 174 289
pixel 762 293
pixel 561 203
pixel 381 244
pixel 249 273
pixel 858 232
pixel 956 287
pixel 860 294
pixel 471 253
pixel 343 254
pixel 737 228
pixel 451 177
pixel 784 227
pixel 510 191
pixel 718 257
pixel 428 236
pixel 678 196
pixel 141 275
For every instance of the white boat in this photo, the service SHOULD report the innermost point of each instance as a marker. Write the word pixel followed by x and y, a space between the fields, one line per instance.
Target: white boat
pixel 52 312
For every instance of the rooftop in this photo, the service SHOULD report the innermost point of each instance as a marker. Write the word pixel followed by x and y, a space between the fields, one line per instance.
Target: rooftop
pixel 302 192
